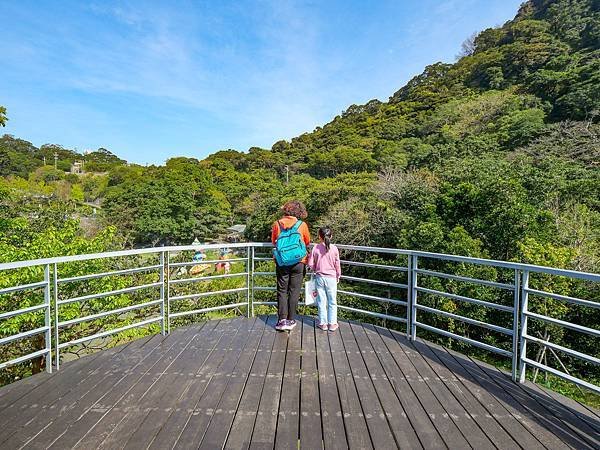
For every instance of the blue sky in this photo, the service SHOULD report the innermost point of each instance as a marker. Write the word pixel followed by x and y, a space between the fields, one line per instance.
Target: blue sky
pixel 152 80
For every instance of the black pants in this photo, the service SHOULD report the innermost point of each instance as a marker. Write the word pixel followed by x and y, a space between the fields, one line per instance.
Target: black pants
pixel 289 285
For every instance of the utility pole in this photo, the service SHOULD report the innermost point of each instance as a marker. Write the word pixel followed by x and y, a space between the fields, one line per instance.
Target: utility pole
pixel 287 174
pixel 55 160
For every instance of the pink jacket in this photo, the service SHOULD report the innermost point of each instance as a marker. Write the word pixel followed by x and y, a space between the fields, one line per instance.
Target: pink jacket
pixel 325 263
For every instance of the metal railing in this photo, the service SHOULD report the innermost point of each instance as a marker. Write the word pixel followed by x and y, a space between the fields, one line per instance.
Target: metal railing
pixel 404 286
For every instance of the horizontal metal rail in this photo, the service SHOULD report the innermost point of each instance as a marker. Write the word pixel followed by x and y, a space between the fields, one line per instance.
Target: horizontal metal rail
pixel 208 294
pixel 208 278
pixel 466 299
pixel 265 288
pixel 468 320
pixel 110 332
pixel 466 279
pixel 29 356
pixel 373 265
pixel 263 274
pixel 108 293
pixel 263 258
pixel 210 261
pixel 205 310
pixel 482 345
pixel 108 274
pixel 23 335
pixel 563 375
pixel 378 282
pixel 29 309
pixel 489 262
pixel 372 297
pixel 22 287
pixel 572 326
pixel 373 314
pixel 121 253
pixel 108 313
pixel 565 298
pixel 560 348
pixel 266 303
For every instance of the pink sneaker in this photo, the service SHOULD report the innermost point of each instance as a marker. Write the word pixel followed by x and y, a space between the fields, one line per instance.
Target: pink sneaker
pixel 322 326
pixel 333 326
pixel 280 326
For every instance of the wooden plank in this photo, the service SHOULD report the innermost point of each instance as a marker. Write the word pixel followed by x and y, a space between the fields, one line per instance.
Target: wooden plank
pixel 441 420
pixel 287 434
pixel 492 429
pixel 585 412
pixel 30 389
pixel 561 429
pixel 167 384
pixel 311 434
pixel 240 433
pixel 184 408
pixel 45 428
pixel 458 414
pixel 417 416
pixel 40 403
pixel 495 408
pixel 268 409
pixel 205 408
pixel 15 391
pixel 99 418
pixel 172 385
pixel 569 411
pixel 379 429
pixel 334 432
pixel 104 416
pixel 396 415
pixel 220 423
pixel 355 422
pixel 520 413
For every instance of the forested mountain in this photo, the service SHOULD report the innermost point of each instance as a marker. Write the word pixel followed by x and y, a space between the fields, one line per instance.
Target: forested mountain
pixel 495 155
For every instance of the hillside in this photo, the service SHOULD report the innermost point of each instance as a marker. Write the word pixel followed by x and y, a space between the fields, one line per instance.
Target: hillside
pixel 490 155
pixel 495 156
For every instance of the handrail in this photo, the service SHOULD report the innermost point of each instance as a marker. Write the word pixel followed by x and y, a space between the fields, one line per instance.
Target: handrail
pixel 385 297
pixel 456 258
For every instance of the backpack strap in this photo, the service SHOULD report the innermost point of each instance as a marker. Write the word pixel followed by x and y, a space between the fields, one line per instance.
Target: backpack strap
pixel 293 227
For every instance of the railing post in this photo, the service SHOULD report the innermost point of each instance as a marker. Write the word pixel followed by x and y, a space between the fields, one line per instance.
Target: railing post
pixel 413 297
pixel 523 341
pixel 515 328
pixel 161 280
pixel 248 288
pixel 252 283
pixel 47 321
pixel 408 295
pixel 167 275
pixel 56 305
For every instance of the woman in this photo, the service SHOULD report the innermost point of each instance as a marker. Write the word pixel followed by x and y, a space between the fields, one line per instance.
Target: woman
pixel 289 277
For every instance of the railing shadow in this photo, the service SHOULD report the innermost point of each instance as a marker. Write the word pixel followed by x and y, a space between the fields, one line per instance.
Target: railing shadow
pixel 577 427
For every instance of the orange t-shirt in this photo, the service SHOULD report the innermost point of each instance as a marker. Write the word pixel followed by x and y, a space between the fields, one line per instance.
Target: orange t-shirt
pixel 288 222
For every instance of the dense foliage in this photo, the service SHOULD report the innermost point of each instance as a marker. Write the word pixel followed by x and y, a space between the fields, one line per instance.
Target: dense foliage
pixel 495 156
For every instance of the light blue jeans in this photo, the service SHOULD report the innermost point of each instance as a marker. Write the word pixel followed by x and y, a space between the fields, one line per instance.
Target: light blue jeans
pixel 327 299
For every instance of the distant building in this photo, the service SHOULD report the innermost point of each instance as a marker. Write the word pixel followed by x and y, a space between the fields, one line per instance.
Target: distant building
pixel 236 233
pixel 77 167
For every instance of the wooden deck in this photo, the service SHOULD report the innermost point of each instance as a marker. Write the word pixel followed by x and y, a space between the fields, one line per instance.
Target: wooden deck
pixel 239 384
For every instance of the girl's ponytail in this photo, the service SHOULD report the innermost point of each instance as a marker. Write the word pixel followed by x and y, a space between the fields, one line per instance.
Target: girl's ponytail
pixel 325 234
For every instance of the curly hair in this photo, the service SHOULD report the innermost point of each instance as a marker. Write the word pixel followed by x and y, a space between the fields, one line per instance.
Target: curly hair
pixel 294 208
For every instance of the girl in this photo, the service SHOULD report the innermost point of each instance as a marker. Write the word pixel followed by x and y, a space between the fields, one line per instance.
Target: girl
pixel 325 262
